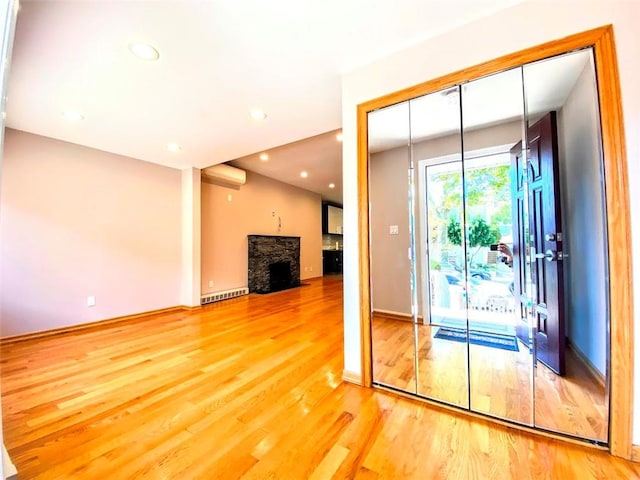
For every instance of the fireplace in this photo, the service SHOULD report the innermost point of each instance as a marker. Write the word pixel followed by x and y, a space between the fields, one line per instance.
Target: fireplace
pixel 279 276
pixel 274 263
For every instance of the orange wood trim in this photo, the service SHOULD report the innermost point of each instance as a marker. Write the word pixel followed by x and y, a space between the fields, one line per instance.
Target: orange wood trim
pixel 90 325
pixel 402 317
pixel 192 309
pixel 545 50
pixel 363 229
pixel 617 200
pixel 619 234
pixel 302 280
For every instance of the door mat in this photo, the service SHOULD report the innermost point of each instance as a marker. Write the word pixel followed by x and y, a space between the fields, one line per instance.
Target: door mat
pixel 486 326
pixel 494 340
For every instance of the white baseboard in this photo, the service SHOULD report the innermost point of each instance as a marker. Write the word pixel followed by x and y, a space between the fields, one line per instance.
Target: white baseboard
pixel 352 377
pixel 9 471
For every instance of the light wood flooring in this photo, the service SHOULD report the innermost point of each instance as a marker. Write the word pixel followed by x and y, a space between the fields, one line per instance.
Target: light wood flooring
pixel 248 388
pixel 501 381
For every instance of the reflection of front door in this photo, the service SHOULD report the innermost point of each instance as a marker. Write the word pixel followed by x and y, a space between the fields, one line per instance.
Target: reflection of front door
pixel 520 231
pixel 541 245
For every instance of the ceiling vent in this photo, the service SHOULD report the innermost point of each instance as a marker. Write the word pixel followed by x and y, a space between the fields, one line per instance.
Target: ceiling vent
pixel 224 175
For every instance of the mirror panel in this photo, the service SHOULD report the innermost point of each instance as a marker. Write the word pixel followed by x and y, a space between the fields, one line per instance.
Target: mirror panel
pixel 521 331
pixel 569 253
pixel 442 351
pixel 392 319
pixel 500 363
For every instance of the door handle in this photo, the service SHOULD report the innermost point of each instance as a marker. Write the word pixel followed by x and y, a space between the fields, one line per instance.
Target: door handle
pixel 553 237
pixel 550 256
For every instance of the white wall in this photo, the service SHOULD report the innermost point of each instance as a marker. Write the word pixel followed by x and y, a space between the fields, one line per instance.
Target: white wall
pixel 522 26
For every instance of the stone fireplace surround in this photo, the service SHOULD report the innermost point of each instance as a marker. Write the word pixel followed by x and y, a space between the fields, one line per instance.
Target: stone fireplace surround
pixel 269 253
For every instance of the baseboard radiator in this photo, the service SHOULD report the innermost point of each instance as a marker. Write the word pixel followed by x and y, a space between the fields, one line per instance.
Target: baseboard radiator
pixel 223 295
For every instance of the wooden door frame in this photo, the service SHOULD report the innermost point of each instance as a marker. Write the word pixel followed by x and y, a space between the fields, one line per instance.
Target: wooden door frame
pixel 617 203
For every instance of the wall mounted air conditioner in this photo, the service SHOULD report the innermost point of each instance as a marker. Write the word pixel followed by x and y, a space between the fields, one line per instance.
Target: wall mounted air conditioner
pixel 224 175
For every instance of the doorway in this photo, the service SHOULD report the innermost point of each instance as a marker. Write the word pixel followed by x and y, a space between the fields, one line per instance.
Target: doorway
pixel 481 299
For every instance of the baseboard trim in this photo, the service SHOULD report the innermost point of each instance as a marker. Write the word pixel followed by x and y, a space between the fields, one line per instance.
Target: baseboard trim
pixel 91 325
pixel 635 453
pixel 9 469
pixel 317 277
pixel 404 317
pixel 352 377
pixel 593 371
pixel 191 309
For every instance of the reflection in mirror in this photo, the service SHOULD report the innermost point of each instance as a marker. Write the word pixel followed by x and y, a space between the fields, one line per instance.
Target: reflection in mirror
pixel 496 297
pixel 500 365
pixel 441 336
pixel 392 320
pixel 568 246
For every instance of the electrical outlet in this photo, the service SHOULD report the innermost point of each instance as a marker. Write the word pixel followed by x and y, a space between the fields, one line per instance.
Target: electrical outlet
pixel 393 229
pixel 91 301
pixel 210 283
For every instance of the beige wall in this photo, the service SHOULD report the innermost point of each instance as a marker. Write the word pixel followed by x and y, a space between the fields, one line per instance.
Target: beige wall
pixel 390 265
pixel 78 222
pixel 230 214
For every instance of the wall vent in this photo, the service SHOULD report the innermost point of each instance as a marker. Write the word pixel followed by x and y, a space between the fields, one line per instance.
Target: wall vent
pixel 223 295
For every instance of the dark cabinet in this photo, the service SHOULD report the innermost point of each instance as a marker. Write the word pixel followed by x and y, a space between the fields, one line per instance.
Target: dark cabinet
pixel 331 261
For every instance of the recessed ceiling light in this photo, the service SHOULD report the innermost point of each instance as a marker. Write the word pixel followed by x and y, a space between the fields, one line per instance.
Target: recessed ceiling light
pixel 144 51
pixel 332 185
pixel 174 147
pixel 304 174
pixel 258 114
pixel 339 137
pixel 73 116
pixel 264 157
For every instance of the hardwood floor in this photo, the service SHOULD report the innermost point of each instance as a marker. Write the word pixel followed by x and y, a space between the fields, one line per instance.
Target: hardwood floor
pixel 500 380
pixel 248 388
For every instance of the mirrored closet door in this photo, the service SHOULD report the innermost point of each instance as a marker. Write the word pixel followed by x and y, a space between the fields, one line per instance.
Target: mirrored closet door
pixel 488 247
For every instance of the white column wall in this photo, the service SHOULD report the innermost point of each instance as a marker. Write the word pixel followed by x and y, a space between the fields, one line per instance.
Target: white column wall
pixel 191 237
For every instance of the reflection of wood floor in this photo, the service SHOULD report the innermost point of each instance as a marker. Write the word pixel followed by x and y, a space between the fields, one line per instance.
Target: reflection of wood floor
pixel 500 380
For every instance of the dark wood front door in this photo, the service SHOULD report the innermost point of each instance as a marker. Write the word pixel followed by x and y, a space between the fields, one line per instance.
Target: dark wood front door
pixel 538 243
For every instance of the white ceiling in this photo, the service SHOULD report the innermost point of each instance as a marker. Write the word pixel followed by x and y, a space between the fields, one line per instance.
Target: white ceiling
pixel 320 156
pixel 218 59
